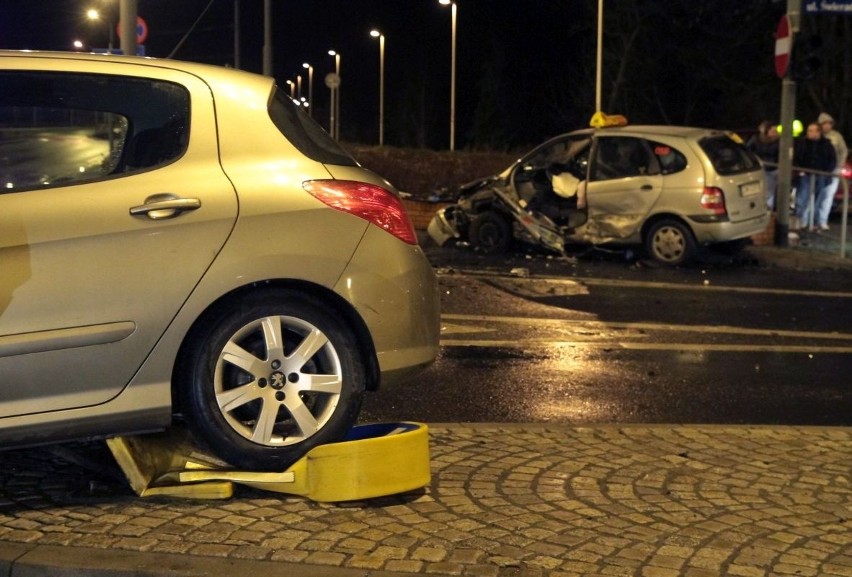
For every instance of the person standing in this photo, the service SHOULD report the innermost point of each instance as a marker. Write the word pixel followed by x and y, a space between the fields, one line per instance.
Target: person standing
pixel 764 145
pixel 825 197
pixel 813 152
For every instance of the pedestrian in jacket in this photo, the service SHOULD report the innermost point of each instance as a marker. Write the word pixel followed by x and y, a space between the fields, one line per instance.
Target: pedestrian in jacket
pixel 764 145
pixel 814 152
pixel 822 206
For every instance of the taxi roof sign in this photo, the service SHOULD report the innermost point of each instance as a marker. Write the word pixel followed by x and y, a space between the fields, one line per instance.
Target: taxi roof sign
pixel 601 120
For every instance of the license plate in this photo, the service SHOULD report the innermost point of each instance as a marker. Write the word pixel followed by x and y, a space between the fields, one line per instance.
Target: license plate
pixel 750 189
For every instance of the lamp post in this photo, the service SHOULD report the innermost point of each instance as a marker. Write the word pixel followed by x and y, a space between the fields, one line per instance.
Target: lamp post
pixel 599 67
pixel 237 34
pixel 452 75
pixel 310 70
pixel 786 142
pixel 128 15
pixel 267 37
pixel 334 124
pixel 292 88
pixel 381 37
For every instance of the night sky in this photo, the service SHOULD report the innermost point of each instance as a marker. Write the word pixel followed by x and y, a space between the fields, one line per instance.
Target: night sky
pixel 417 32
pixel 525 69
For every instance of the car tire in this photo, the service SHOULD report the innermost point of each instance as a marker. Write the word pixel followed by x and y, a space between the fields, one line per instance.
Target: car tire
pixel 670 242
pixel 271 377
pixel 491 232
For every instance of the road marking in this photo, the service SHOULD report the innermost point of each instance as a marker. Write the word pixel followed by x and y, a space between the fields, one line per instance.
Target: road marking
pixel 681 347
pixel 456 329
pixel 718 288
pixel 573 282
pixel 467 324
pixel 603 325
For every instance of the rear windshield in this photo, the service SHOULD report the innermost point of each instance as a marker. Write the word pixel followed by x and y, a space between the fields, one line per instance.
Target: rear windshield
pixel 304 133
pixel 728 157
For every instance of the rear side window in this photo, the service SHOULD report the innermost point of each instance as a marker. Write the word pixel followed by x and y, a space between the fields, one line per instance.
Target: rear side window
pixel 61 128
pixel 727 156
pixel 304 133
pixel 670 159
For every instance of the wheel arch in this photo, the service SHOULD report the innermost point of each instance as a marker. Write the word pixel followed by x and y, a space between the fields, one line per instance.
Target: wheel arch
pixel 343 309
pixel 653 220
pixel 480 201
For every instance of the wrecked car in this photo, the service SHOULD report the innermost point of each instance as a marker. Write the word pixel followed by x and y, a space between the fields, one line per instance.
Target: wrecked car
pixel 669 189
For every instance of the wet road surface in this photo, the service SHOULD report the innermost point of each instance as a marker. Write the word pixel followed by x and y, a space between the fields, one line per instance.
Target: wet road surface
pixel 550 343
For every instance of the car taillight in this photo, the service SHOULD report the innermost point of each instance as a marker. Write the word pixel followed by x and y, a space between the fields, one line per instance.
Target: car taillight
pixel 713 199
pixel 368 201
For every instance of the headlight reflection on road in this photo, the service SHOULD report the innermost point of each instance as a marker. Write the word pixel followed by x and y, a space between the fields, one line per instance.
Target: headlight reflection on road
pixel 564 384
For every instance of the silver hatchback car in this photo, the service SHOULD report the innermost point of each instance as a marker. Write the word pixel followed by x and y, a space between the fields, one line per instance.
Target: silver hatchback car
pixel 668 188
pixel 182 241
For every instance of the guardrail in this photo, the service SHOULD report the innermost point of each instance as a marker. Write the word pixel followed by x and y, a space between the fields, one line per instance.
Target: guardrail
pixel 844 218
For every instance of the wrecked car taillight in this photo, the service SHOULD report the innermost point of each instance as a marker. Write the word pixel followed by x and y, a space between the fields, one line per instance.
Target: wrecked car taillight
pixel 368 201
pixel 713 199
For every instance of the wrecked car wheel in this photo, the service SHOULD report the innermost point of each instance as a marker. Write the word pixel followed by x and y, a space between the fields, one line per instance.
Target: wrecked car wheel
pixel 491 233
pixel 670 242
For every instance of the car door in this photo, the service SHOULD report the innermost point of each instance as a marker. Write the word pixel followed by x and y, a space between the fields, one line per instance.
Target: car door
pixel 624 183
pixel 112 206
pixel 532 175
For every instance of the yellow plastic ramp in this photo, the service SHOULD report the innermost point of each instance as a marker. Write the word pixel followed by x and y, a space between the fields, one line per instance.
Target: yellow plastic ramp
pixel 150 463
pixel 373 461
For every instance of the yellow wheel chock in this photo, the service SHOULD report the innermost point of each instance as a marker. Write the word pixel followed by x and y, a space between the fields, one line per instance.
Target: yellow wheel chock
pixel 373 461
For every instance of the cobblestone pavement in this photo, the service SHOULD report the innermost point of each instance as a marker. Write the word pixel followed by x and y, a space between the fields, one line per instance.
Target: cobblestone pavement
pixel 505 500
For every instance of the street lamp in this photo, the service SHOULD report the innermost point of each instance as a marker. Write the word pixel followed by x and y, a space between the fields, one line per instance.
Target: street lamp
pixel 310 70
pixel 381 37
pixel 334 85
pixel 452 76
pixel 292 89
pixel 92 14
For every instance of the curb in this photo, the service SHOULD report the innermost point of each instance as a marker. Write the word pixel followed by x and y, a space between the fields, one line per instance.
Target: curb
pixel 55 561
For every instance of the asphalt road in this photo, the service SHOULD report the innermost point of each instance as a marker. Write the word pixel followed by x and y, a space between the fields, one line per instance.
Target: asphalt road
pixel 606 338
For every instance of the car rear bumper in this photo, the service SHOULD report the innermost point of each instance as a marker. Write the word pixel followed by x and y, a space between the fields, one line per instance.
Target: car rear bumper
pixel 394 289
pixel 725 231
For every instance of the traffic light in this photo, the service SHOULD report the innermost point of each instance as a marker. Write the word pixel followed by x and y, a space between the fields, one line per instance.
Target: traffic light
pixel 805 59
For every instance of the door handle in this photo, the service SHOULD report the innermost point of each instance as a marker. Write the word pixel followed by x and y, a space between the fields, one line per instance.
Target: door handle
pixel 647 187
pixel 161 206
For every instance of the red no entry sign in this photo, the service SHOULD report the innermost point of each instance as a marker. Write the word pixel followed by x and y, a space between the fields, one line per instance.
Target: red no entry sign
pixel 782 47
pixel 141 30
